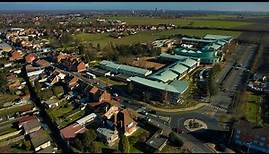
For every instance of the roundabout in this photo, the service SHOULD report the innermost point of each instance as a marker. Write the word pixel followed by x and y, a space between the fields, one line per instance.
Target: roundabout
pixel 198 121
pixel 194 124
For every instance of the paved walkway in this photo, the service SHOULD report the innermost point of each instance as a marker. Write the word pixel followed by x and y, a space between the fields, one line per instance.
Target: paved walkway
pixel 172 110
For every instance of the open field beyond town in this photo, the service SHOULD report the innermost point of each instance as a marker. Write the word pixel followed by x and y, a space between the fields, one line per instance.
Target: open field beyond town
pixel 141 37
pixel 179 21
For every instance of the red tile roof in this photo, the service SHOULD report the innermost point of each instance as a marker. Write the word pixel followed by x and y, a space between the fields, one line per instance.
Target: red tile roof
pixel 73 82
pixel 72 130
pixel 26 108
pixel 81 67
pixel 30 57
pixel 105 97
pixel 61 56
pixel 26 119
pixel 94 90
pixel 16 55
pixel 43 63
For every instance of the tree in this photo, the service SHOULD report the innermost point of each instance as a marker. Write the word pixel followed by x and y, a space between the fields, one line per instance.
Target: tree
pixel 124 145
pixel 98 47
pixel 110 53
pixel 174 138
pixel 65 39
pixel 81 49
pixel 78 144
pixel 212 87
pixel 3 80
pixel 87 138
pixel 95 148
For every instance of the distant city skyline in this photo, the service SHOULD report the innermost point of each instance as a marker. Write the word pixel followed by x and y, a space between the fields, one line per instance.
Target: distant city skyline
pixel 203 6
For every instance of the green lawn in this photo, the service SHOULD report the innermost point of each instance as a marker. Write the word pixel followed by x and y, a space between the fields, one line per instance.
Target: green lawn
pixel 8 130
pixel 62 114
pixel 14 109
pixel 179 21
pixel 134 138
pixel 73 118
pixel 7 98
pixel 58 112
pixel 141 37
pixel 171 149
pixel 45 94
pixel 109 81
pixel 251 108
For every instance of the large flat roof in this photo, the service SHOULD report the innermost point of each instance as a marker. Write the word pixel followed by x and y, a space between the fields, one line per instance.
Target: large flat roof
pixel 197 40
pixel 174 87
pixel 217 37
pixel 119 67
pixel 164 75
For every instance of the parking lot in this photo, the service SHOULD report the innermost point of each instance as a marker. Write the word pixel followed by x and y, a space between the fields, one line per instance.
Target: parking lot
pixel 233 76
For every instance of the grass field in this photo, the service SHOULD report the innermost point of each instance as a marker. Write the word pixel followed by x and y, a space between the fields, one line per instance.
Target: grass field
pixel 140 37
pixel 251 108
pixel 135 138
pixel 181 21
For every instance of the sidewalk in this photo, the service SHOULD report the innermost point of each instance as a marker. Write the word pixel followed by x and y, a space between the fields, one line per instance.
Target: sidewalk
pixel 172 110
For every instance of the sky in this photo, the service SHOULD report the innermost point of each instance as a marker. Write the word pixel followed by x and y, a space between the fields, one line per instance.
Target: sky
pixel 212 6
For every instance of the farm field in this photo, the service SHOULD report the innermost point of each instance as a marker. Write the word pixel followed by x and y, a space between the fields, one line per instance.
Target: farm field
pixel 180 21
pixel 140 37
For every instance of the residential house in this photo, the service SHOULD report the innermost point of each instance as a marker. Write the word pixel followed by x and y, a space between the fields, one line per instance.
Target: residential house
pixel 42 63
pixel 72 130
pixel 16 84
pixel 4 47
pixel 30 57
pixel 94 93
pixel 74 82
pixel 61 57
pixel 125 122
pixel 48 149
pixel 25 109
pixel 105 97
pixel 40 140
pixel 157 141
pixel 108 136
pixel 25 119
pixel 33 71
pixel 81 67
pixel 16 55
pixel 50 104
pixel 31 126
pixel 112 110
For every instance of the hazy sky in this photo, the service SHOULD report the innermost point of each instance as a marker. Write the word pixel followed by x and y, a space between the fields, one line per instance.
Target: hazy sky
pixel 220 6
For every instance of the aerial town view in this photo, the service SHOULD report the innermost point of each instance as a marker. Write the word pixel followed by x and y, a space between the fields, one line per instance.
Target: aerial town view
pixel 134 77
